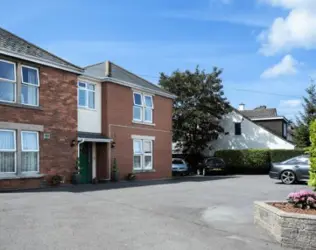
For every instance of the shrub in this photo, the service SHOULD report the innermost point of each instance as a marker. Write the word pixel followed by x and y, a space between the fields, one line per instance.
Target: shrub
pixel 56 180
pixel 256 161
pixel 246 161
pixel 279 155
pixel 303 199
pixel 312 151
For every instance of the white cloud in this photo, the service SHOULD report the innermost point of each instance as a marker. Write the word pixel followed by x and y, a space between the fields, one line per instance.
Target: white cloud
pixel 296 30
pixel 295 103
pixel 287 66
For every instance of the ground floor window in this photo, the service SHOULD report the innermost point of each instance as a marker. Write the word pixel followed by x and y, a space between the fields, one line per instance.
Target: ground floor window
pixel 143 154
pixel 27 154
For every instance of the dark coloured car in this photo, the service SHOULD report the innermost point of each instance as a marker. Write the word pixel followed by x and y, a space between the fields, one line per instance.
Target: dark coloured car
pixel 290 171
pixel 211 165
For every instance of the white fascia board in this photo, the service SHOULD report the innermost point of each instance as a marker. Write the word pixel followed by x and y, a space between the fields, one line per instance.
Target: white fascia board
pixel 94 140
pixel 134 86
pixel 42 62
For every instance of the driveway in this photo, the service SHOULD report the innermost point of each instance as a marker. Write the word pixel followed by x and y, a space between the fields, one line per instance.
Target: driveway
pixel 189 213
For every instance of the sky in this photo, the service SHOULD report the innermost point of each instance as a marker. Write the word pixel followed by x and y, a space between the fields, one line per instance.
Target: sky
pixel 266 48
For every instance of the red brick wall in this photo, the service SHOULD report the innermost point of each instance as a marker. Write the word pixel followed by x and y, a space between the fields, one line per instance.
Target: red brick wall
pixel 58 115
pixel 117 116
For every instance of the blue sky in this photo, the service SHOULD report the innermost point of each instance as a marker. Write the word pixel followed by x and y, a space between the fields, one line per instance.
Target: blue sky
pixel 262 45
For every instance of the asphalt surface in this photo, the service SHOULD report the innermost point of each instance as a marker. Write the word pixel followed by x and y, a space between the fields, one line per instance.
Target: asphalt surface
pixel 189 213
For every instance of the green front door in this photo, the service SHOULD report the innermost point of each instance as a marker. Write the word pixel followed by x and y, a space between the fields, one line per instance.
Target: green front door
pixel 86 162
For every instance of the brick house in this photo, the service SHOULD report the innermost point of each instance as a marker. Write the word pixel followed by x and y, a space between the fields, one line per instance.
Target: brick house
pixel 38 114
pixel 125 117
pixel 52 112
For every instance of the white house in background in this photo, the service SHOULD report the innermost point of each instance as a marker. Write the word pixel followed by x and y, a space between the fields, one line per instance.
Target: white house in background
pixel 242 133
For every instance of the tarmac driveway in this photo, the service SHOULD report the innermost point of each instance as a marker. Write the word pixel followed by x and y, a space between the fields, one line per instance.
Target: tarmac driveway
pixel 189 213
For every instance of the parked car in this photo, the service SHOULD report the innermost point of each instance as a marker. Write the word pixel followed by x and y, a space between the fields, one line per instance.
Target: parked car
pixel 211 165
pixel 290 171
pixel 179 166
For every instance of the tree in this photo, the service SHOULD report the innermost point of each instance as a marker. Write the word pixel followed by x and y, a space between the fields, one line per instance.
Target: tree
pixel 199 106
pixel 312 151
pixel 301 133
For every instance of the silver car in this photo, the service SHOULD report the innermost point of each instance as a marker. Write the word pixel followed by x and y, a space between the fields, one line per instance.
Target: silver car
pixel 179 166
pixel 292 170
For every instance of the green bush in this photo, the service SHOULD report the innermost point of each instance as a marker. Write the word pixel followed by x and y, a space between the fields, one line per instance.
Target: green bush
pixel 279 155
pixel 312 151
pixel 254 161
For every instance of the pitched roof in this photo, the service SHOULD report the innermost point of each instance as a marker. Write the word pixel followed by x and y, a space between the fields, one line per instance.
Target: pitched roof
pixel 15 46
pixel 259 113
pixel 112 71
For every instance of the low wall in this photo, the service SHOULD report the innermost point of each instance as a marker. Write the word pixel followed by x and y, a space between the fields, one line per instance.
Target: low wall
pixel 290 229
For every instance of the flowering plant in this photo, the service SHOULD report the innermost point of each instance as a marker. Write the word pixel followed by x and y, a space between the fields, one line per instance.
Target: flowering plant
pixel 303 199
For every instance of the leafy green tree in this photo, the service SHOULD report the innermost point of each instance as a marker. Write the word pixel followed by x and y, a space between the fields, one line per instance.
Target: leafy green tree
pixel 199 106
pixel 301 133
pixel 312 151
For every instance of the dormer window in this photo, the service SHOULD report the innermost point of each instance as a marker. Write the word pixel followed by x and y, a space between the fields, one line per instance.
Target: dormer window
pixel 143 108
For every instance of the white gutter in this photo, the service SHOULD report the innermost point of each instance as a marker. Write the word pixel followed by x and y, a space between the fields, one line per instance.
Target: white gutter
pixel 79 143
pixel 43 62
pixel 269 118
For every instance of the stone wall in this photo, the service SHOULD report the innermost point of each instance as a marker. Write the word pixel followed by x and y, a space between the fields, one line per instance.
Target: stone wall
pixel 290 229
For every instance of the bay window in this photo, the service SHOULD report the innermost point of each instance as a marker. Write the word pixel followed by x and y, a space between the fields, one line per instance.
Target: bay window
pixel 86 95
pixel 30 149
pixel 143 154
pixel 7 81
pixel 7 151
pixel 30 85
pixel 143 108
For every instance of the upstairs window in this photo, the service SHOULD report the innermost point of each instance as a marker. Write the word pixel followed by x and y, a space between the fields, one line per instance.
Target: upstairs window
pixel 143 108
pixel 284 129
pixel 86 95
pixel 30 86
pixel 7 81
pixel 237 128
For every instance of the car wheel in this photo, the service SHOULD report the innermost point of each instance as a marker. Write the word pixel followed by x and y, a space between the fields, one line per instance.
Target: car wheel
pixel 288 177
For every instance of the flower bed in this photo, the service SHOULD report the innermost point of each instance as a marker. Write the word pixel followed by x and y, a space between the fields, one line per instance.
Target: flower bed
pixel 292 223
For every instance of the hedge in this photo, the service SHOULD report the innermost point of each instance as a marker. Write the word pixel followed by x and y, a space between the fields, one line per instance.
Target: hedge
pixel 254 161
pixel 312 151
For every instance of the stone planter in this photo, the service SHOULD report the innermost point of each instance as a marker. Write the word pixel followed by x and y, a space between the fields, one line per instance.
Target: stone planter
pixel 290 229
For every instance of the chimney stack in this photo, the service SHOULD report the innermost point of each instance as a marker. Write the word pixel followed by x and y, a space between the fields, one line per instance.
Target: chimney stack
pixel 241 107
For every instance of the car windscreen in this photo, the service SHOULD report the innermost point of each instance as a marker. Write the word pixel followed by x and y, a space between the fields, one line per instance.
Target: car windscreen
pixel 177 162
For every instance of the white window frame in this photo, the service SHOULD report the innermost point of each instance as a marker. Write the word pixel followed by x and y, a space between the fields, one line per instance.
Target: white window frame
pixel 10 150
pixel 11 81
pixel 142 154
pixel 29 84
pixel 143 107
pixel 37 151
pixel 86 89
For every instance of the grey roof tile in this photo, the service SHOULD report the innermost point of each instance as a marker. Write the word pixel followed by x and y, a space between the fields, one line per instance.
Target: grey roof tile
pixel 119 73
pixel 259 113
pixel 15 45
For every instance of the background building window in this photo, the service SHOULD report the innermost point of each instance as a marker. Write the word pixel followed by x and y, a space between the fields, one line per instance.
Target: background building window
pixel 7 151
pixel 30 86
pixel 143 154
pixel 86 95
pixel 7 81
pixel 237 128
pixel 284 129
pixel 30 150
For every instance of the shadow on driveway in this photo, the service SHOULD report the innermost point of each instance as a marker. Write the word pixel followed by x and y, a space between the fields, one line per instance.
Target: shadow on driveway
pixel 122 184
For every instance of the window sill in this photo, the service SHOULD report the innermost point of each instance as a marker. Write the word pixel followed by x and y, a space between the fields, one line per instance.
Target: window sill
pixel 22 176
pixel 144 123
pixel 86 108
pixel 144 171
pixel 19 105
